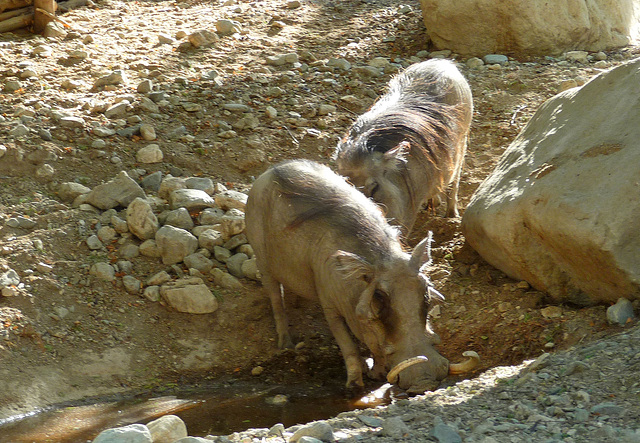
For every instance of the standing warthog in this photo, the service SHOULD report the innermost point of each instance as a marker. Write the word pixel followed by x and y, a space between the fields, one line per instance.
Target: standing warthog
pixel 409 147
pixel 317 236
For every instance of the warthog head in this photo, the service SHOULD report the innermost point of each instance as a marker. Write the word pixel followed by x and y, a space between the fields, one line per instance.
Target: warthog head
pixel 392 316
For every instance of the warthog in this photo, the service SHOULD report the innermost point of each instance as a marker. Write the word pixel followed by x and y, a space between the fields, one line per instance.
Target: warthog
pixel 409 147
pixel 317 236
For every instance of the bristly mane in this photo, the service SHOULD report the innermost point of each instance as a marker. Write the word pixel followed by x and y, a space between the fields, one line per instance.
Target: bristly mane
pixel 428 125
pixel 317 193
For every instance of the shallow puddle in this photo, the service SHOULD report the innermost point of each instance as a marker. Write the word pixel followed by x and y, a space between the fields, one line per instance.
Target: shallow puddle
pixel 219 410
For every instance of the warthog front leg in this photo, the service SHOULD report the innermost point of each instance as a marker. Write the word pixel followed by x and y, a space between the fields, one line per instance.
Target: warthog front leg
pixel 352 359
pixel 274 290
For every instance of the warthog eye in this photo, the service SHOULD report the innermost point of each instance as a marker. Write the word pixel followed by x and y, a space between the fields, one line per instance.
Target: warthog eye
pixel 379 303
pixel 371 188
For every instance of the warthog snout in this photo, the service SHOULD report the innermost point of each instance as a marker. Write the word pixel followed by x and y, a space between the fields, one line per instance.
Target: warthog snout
pixel 421 373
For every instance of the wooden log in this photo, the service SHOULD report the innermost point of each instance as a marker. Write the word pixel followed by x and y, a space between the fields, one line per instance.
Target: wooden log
pixel 15 12
pixel 14 23
pixel 41 19
pixel 14 4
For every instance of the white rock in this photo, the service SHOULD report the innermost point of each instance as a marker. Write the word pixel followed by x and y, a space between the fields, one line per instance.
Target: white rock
pixel 175 244
pixel 135 433
pixel 471 27
pixel 189 295
pixel 203 38
pixel 141 220
pixel 191 199
pixel 103 271
pixel 167 429
pixel 231 200
pixel 150 154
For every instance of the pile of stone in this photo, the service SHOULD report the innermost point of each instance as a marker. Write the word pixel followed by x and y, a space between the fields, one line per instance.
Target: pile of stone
pixel 191 222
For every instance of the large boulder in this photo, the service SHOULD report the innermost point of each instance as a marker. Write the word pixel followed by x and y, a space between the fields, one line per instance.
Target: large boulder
pixel 478 27
pixel 561 208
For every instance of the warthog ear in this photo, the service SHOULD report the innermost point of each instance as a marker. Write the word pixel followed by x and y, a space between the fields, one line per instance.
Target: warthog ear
pixel 397 156
pixel 353 266
pixel 421 255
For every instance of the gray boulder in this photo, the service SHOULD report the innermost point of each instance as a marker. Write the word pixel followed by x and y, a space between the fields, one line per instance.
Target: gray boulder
pixel 120 191
pixel 561 208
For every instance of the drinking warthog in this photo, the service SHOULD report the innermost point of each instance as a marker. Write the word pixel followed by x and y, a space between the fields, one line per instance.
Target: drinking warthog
pixel 409 147
pixel 317 236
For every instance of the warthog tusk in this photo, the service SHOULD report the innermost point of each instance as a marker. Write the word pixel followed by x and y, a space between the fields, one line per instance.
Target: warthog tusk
pixel 473 360
pixel 392 376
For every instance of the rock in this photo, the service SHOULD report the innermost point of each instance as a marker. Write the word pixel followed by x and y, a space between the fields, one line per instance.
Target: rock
pixel 495 59
pixel 200 183
pixel 152 293
pixel 232 223
pixel 149 248
pixel 234 264
pixel 120 191
pixel 103 271
pixel 221 254
pixel 551 312
pixel 577 56
pixel 141 220
pixel 339 63
pixel 227 27
pixel 135 433
pixel 152 181
pixel 106 234
pixel 94 243
pixel 471 27
pixel 180 218
pixel 210 238
pixel 175 244
pixel 131 284
pixel 118 110
pixel 167 429
pixel 192 199
pixel 271 112
pixel 553 210
pixel 115 78
pixel 9 278
pixel 236 241
pixel 276 430
pixel 284 59
pixel 320 430
pixel 198 261
pixel 189 295
pixel 69 191
pixel 225 280
pixel 231 200
pixel 607 408
pixel 193 440
pixel 621 312
pixel 159 278
pixel 250 270
pixel 72 122
pixel 203 38
pixel 445 434
pixel 394 427
pixel 170 184
pixel 150 154
pixel 129 251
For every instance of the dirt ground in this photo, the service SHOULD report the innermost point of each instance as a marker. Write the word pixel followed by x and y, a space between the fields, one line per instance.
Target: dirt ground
pixel 111 341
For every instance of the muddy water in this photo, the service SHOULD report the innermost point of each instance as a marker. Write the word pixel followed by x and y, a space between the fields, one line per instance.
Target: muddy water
pixel 213 410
